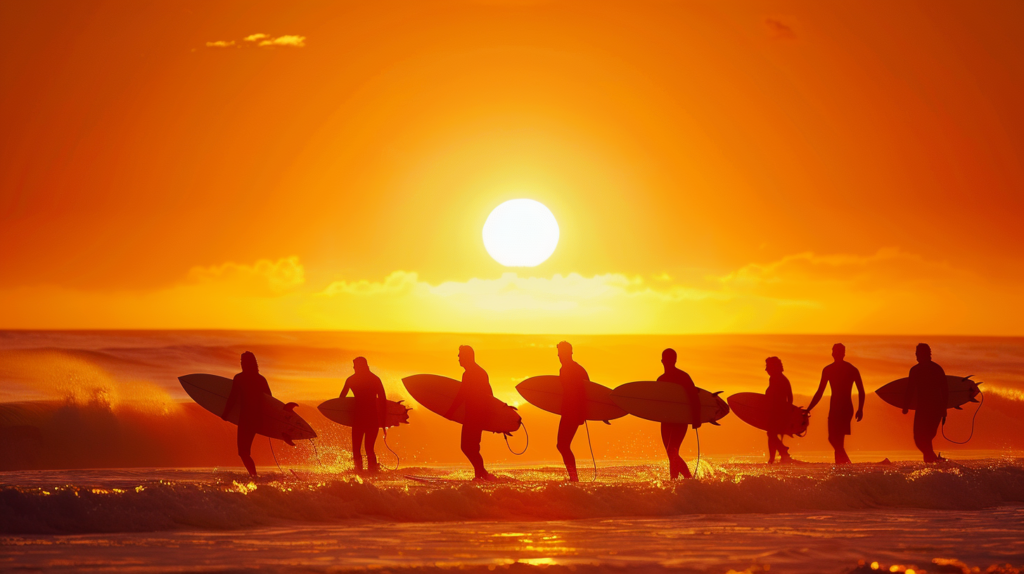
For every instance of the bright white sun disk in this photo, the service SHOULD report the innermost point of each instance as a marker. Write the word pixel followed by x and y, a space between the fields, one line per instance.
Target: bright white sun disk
pixel 521 233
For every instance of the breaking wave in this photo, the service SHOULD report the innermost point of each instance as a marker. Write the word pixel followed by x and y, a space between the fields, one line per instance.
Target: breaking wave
pixel 230 502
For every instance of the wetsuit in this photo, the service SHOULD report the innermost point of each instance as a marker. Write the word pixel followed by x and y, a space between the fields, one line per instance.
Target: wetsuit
pixel 574 379
pixel 476 393
pixel 779 395
pixel 246 391
pixel 928 392
pixel 672 434
pixel 371 406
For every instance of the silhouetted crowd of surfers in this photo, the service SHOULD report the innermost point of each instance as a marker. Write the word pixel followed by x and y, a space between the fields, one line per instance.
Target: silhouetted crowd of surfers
pixel 927 390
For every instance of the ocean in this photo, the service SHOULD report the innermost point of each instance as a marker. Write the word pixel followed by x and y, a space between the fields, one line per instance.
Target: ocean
pixel 105 464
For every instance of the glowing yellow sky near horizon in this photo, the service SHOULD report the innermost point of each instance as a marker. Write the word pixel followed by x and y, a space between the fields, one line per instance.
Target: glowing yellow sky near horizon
pixel 749 167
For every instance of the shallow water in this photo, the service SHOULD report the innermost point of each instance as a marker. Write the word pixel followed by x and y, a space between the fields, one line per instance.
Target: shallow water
pixel 789 542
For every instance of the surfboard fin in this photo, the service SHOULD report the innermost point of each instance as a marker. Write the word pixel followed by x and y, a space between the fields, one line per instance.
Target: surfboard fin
pixel 607 423
pixel 961 408
pixel 287 440
pixel 718 393
pixel 290 407
pixel 715 422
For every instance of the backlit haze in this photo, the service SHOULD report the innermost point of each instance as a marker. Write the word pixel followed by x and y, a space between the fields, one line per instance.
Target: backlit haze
pixel 780 167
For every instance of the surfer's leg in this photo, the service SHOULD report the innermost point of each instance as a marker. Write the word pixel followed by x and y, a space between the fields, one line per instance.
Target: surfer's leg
pixel 371 455
pixel 666 439
pixel 771 448
pixel 926 426
pixel 566 432
pixel 677 442
pixel 357 438
pixel 471 448
pixel 245 438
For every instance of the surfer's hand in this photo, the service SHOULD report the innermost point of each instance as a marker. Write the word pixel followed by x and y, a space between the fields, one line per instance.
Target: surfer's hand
pixel 905 411
pixel 860 415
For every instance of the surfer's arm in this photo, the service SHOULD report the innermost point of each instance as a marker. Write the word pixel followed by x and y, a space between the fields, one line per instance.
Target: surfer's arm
pixel 911 387
pixel 460 398
pixel 821 391
pixel 860 396
pixel 345 390
pixel 382 405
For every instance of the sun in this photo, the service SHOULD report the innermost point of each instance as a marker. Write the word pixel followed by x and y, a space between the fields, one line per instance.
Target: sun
pixel 521 233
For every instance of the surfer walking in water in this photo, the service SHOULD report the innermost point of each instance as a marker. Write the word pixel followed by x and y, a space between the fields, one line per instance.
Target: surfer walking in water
pixel 672 434
pixel 475 392
pixel 370 410
pixel 246 389
pixel 574 379
pixel 780 397
pixel 842 376
pixel 929 392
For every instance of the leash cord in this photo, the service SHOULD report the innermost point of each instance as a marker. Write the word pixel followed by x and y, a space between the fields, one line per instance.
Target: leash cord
pixel 974 418
pixel 696 470
pixel 524 448
pixel 398 461
pixel 271 443
pixel 591 445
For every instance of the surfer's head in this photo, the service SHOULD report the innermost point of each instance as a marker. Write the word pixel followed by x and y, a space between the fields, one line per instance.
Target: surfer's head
pixel 360 365
pixel 773 365
pixel 467 356
pixel 668 358
pixel 564 352
pixel 924 353
pixel 249 364
pixel 838 351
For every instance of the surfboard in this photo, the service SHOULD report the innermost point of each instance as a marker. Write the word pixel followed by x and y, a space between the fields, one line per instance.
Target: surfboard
pixel 343 410
pixel 436 393
pixel 755 410
pixel 545 393
pixel 962 390
pixel 667 402
pixel 278 420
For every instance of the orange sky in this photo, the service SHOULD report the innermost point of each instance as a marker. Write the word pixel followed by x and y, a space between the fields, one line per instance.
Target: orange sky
pixel 714 167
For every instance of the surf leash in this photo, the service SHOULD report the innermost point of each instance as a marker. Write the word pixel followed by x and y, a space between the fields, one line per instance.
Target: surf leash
pixel 696 470
pixel 591 445
pixel 398 461
pixel 973 419
pixel 527 441
pixel 271 443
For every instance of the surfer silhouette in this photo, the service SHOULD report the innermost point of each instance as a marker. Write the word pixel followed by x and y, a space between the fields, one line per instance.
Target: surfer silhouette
pixel 573 378
pixel 370 409
pixel 474 392
pixel 842 376
pixel 245 390
pixel 672 434
pixel 929 392
pixel 779 395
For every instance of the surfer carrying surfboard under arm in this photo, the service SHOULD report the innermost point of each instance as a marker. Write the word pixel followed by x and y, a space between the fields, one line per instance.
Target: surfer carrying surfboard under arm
pixel 476 393
pixel 672 434
pixel 928 392
pixel 246 389
pixel 574 411
pixel 370 412
pixel 842 376
pixel 779 395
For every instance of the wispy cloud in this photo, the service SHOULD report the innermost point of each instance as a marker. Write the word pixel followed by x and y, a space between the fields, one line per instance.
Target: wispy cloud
pixel 294 41
pixel 261 40
pixel 263 277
